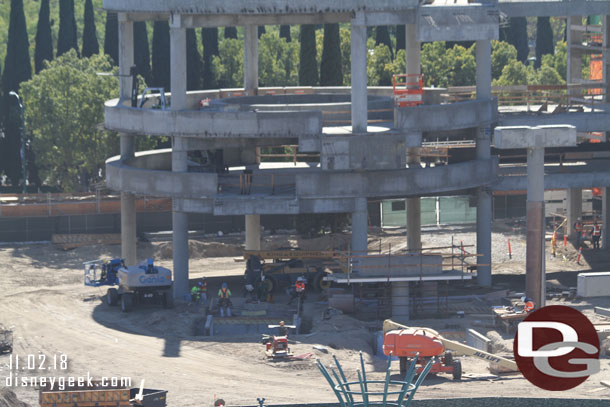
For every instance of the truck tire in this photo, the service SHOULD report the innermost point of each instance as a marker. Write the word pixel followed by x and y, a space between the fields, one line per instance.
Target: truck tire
pixel 448 358
pixel 168 299
pixel 127 301
pixel 319 284
pixel 457 370
pixel 112 296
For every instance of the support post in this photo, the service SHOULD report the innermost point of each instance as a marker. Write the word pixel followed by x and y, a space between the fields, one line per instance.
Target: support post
pixel 400 301
pixel 179 157
pixel 253 232
pixel 483 152
pixel 251 59
pixel 359 227
pixel 535 286
pixel 359 80
pixel 573 209
pixel 127 142
pixel 413 205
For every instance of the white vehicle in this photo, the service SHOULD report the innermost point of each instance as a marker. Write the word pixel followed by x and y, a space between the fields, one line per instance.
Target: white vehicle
pixel 142 283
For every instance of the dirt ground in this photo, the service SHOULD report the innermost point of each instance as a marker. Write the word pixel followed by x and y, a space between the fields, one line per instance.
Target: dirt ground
pixel 52 313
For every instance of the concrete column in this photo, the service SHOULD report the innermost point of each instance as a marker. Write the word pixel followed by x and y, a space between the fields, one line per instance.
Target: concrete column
pixel 535 286
pixel 179 156
pixel 253 232
pixel 605 218
pixel 484 215
pixel 574 61
pixel 358 71
pixel 413 205
pixel 573 208
pixel 412 50
pixel 251 59
pixel 400 301
pixel 180 234
pixel 359 227
pixel 127 143
pixel 483 152
pixel 483 72
pixel 177 39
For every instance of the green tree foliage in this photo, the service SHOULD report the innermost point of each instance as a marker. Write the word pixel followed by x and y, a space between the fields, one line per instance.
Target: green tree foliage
pixel 193 61
pixel 514 73
pixel 64 105
pixel 160 56
pixel 17 68
pixel 111 37
pixel 515 33
pixel 378 67
pixel 44 42
pixel 285 33
pixel 544 39
pixel 501 53
pixel 209 39
pixel 346 54
pixel 401 37
pixel 230 32
pixel 67 38
pixel 382 36
pixel 90 44
pixel 308 66
pixel 448 67
pixel 276 61
pixel 229 63
pixel 141 50
pixel 261 30
pixel 331 73
pixel 558 60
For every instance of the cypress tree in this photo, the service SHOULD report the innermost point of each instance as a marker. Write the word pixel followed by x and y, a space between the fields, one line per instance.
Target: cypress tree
pixel 285 32
pixel 308 64
pixel 17 68
pixel 401 37
pixel 331 73
pixel 544 39
pixel 141 50
pixel 230 32
pixel 193 61
pixel 111 37
pixel 160 55
pixel 261 30
pixel 44 43
pixel 90 44
pixel 382 36
pixel 515 33
pixel 209 39
pixel 67 27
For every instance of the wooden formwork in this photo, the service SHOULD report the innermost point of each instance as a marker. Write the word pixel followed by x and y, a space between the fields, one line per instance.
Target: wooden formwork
pixel 73 241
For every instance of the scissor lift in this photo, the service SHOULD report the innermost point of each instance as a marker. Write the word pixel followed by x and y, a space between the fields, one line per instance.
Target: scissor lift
pixel 408 89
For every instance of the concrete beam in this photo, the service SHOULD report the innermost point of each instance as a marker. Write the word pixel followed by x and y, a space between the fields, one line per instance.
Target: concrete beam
pixel 559 8
pixel 256 7
pixel 397 183
pixel 359 153
pixel 584 122
pixel 453 116
pixel 534 137
pixel 209 124
pixel 555 181
pixel 457 23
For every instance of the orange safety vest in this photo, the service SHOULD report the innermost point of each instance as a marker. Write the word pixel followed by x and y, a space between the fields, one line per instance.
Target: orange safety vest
pixel 224 293
pixel 597 230
pixel 577 227
pixel 300 286
pixel 529 306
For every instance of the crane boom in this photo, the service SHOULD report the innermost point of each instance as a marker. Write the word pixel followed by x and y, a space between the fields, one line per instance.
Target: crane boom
pixel 499 361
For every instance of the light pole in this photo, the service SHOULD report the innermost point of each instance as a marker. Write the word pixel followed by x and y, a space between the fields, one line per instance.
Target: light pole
pixel 22 129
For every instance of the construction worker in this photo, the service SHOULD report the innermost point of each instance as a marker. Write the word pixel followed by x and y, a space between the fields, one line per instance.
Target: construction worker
pixel 224 300
pixel 196 292
pixel 578 232
pixel 596 234
pixel 528 304
pixel 298 292
pixel 282 329
pixel 203 288
pixel 264 290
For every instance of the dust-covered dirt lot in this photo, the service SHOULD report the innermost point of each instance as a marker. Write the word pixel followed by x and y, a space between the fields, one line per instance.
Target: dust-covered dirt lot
pixel 52 313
